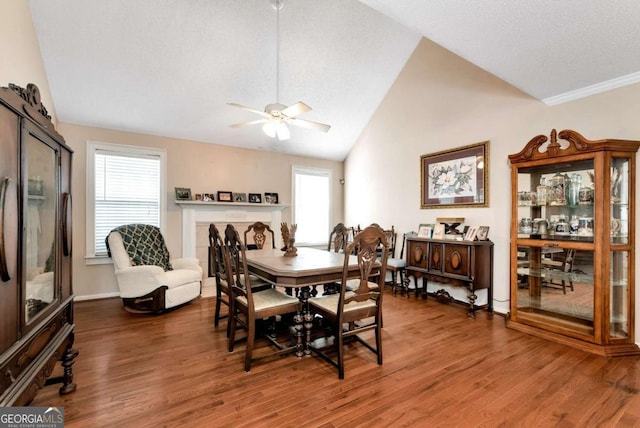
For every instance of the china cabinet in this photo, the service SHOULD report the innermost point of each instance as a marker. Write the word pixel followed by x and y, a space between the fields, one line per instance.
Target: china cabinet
pixel 572 242
pixel 36 299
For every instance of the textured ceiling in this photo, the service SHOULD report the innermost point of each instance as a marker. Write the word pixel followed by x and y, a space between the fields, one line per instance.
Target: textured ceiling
pixel 169 67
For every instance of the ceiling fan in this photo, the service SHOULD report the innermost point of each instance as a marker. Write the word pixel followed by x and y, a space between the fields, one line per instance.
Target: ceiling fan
pixel 276 116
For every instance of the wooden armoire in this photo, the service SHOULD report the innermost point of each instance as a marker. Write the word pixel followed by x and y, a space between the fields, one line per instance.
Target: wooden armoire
pixel 36 297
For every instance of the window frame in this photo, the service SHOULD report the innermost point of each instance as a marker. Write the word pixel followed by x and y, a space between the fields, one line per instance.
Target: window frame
pixel 124 150
pixel 322 172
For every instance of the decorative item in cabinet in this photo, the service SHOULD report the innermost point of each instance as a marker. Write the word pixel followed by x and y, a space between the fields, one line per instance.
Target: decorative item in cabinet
pixel 575 284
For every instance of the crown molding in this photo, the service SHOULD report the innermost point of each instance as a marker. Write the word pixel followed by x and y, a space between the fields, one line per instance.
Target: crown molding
pixel 587 91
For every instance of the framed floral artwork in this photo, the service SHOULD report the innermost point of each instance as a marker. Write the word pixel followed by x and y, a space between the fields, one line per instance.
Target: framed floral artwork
pixel 455 178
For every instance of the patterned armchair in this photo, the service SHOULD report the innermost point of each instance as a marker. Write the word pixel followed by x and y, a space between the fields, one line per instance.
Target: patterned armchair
pixel 148 279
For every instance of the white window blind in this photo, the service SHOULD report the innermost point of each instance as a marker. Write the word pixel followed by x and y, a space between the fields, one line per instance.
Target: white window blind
pixel 312 204
pixel 125 185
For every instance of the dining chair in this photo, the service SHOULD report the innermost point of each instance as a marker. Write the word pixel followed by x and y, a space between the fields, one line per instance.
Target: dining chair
pixel 259 236
pixel 338 241
pixel 217 270
pixel 338 238
pixel 250 306
pixel 397 266
pixel 350 313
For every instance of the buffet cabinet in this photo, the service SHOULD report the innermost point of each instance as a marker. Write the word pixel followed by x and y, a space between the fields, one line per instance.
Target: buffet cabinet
pixel 36 299
pixel 573 242
pixel 466 264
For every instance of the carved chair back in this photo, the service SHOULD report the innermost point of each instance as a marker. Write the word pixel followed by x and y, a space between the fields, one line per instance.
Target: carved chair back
pixel 259 237
pixel 218 269
pixel 338 238
pixel 372 265
pixel 234 249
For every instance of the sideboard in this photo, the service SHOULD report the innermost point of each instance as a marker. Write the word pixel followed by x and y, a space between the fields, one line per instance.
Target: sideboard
pixel 466 264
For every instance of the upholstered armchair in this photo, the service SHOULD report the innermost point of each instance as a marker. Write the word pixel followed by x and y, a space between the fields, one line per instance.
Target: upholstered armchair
pixel 148 279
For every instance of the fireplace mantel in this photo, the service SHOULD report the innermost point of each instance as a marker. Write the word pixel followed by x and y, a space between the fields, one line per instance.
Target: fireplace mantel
pixel 194 212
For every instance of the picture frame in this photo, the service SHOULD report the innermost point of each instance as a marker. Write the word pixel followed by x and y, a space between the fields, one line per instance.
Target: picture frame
pixel 455 178
pixel 483 233
pixel 425 230
pixel 225 196
pixel 239 197
pixel 471 233
pixel 270 198
pixel 183 194
pixel 255 198
pixel 438 231
pixel 208 197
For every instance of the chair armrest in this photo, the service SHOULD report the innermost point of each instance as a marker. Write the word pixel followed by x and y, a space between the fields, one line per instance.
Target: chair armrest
pixel 187 263
pixel 136 281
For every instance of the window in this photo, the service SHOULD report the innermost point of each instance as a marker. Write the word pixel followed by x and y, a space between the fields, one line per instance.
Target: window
pixel 125 184
pixel 311 204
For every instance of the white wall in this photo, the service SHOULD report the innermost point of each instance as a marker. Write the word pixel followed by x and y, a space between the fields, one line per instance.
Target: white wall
pixel 21 59
pixel 440 101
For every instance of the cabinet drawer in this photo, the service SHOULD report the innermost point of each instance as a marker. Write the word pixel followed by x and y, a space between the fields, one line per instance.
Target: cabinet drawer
pixel 456 259
pixel 417 255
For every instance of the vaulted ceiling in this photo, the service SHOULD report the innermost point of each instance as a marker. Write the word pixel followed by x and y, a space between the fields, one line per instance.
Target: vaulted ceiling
pixel 169 67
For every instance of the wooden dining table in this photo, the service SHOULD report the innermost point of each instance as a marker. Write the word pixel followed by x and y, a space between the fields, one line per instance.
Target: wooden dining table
pixel 310 267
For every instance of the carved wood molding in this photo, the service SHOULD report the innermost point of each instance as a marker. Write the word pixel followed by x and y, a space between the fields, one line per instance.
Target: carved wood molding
pixel 32 96
pixel 536 149
pixel 28 100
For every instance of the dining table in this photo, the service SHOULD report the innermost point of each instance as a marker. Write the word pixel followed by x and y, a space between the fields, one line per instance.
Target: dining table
pixel 310 267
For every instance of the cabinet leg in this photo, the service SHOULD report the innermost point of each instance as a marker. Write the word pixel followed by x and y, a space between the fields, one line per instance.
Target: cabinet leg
pixel 472 305
pixel 68 359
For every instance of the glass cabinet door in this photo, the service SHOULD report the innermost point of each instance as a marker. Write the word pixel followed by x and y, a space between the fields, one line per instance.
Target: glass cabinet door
pixel 619 201
pixel 557 203
pixel 40 227
pixel 557 285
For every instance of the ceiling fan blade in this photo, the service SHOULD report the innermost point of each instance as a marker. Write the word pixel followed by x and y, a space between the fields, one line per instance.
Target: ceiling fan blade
pixel 296 109
pixel 309 124
pixel 251 122
pixel 260 112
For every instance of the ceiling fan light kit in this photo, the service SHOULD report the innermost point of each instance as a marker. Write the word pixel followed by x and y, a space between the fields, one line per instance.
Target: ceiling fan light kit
pixel 276 116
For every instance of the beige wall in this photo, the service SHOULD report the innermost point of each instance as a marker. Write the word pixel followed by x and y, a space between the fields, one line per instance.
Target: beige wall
pixel 22 62
pixel 440 101
pixel 205 168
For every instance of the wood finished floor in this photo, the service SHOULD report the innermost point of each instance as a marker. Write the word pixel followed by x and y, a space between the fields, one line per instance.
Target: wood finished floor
pixel 440 369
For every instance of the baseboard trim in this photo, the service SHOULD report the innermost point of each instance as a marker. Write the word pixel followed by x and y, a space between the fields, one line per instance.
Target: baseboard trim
pixel 96 296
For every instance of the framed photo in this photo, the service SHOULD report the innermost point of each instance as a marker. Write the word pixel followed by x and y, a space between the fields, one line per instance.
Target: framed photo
pixel 425 230
pixel 183 194
pixel 255 198
pixel 455 178
pixel 225 196
pixel 471 233
pixel 239 197
pixel 208 197
pixel 438 231
pixel 483 233
pixel 270 198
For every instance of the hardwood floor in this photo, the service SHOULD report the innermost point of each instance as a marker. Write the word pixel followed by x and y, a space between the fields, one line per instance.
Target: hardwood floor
pixel 440 369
